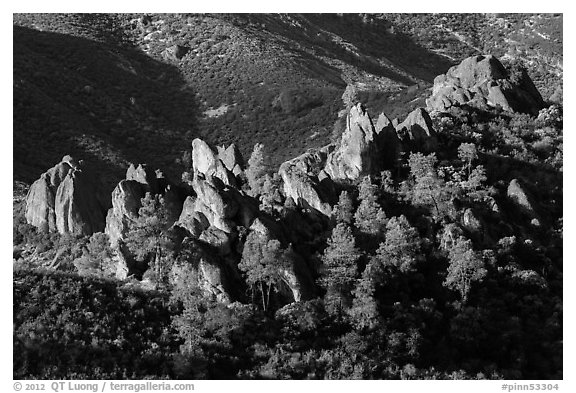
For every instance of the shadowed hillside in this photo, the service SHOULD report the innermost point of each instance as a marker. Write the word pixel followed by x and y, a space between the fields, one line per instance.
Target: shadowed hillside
pixel 107 104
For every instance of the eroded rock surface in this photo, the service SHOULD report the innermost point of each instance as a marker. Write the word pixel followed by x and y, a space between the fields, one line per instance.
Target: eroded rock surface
pixel 207 162
pixel 357 151
pixel 521 197
pixel 417 132
pixel 65 199
pixel 301 181
pixel 483 80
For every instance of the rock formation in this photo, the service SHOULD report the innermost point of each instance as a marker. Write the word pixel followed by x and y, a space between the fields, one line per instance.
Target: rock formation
pixel 389 143
pixel 125 205
pixel 416 131
pixel 66 199
pixel 302 180
pixel 175 52
pixel 210 164
pixel 211 276
pixel 231 158
pixel 357 153
pixel 126 200
pixel 216 205
pixel 517 193
pixel 483 80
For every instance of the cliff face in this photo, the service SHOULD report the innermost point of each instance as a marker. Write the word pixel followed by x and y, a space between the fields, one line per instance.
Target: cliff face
pixel 65 199
pixel 357 151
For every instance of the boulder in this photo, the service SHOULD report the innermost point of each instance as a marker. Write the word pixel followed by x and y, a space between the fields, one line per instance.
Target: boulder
pixel 417 132
pixel 175 52
pixel 302 184
pixel 471 222
pixel 66 199
pixel 517 193
pixel 483 80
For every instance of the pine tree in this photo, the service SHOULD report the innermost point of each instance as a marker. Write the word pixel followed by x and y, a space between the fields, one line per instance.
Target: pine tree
pixel 467 153
pixel 148 238
pixel 465 268
pixel 369 219
pixel 96 258
pixel 340 265
pixel 364 311
pixel 256 171
pixel 429 190
pixel 344 210
pixel 402 246
pixel 263 262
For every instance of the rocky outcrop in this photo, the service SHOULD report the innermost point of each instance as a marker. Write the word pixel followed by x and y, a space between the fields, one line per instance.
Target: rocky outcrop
pixel 517 193
pixel 212 280
pixel 217 205
pixel 215 212
pixel 66 199
pixel 127 196
pixel 204 271
pixel 175 52
pixel 231 158
pixel 483 80
pixel 471 222
pixel 302 183
pixel 152 180
pixel 357 151
pixel 208 162
pixel 416 131
pixel 126 199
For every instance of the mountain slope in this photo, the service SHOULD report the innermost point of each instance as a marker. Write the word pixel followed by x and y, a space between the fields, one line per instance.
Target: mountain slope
pixel 114 88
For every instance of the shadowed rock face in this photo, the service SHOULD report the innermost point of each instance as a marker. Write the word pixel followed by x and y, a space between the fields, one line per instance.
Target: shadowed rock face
pixel 481 81
pixel 389 143
pixel 65 199
pixel 416 131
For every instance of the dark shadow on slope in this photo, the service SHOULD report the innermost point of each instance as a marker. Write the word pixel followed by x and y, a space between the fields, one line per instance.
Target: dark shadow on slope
pixel 86 98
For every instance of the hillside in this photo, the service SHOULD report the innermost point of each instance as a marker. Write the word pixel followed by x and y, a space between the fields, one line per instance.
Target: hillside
pixel 105 86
